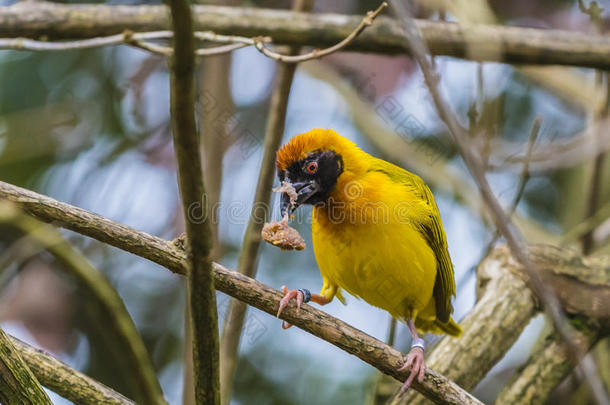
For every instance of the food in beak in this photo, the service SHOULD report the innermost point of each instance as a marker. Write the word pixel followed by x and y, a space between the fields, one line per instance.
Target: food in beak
pixel 289 189
pixel 281 234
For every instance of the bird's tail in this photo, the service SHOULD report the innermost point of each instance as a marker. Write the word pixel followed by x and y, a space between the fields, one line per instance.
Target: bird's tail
pixel 451 328
pixel 438 328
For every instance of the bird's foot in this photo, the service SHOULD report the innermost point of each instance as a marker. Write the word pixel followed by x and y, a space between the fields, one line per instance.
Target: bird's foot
pixel 298 295
pixel 414 361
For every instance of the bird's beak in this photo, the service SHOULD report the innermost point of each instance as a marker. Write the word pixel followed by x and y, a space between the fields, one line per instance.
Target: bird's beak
pixel 304 191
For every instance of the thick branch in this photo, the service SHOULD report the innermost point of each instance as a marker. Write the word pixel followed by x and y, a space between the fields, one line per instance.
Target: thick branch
pixel 65 381
pixel 547 366
pixel 123 332
pixel 516 44
pixel 200 281
pixel 372 351
pixel 18 385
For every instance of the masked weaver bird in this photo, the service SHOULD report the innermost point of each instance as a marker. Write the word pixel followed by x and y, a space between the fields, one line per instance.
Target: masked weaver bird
pixel 377 234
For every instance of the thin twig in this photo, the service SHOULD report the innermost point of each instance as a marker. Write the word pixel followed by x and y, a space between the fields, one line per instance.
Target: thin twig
pixel 524 178
pixel 66 381
pixel 586 226
pixel 501 219
pixel 318 53
pixel 579 148
pixel 139 40
pixel 596 183
pixel 248 258
pixel 200 279
pixel 246 289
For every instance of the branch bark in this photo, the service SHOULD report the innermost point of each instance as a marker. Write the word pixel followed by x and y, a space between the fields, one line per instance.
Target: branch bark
pixel 547 366
pixel 248 258
pixel 517 45
pixel 200 280
pixel 18 386
pixel 65 381
pixel 386 359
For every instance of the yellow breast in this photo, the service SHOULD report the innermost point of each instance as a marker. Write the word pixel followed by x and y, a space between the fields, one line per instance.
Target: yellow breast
pixel 365 242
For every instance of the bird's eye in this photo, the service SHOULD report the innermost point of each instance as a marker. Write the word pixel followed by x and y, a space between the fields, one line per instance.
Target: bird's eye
pixel 312 167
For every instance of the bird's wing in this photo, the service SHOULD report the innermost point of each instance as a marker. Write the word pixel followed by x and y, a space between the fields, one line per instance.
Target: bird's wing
pixel 431 228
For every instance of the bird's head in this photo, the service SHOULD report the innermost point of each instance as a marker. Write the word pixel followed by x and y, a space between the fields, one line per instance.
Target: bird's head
pixel 314 162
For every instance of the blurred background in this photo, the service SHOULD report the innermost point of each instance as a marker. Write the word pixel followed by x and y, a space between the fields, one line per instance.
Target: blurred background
pixel 91 128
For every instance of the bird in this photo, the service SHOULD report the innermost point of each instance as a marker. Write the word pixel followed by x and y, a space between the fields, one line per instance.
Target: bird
pixel 376 233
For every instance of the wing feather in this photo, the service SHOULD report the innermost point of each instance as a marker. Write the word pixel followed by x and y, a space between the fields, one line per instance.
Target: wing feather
pixel 431 228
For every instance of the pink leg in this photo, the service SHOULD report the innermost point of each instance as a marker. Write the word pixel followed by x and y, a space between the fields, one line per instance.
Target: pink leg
pixel 288 296
pixel 414 361
pixel 298 295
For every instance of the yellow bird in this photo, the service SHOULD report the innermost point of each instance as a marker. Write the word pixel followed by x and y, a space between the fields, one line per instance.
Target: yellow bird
pixel 377 234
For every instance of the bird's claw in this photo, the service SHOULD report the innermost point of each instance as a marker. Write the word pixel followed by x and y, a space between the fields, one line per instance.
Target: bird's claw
pixel 289 295
pixel 414 361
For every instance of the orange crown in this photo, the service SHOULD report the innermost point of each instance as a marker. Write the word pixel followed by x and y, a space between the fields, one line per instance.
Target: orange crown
pixel 317 139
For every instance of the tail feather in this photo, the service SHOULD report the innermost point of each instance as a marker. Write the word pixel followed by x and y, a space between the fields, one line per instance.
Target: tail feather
pixel 451 328
pixel 439 328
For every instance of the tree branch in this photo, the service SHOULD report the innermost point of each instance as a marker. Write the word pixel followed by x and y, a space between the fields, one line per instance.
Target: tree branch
pixel 517 45
pixel 18 385
pixel 65 381
pixel 138 40
pixel 200 280
pixel 372 351
pixel 546 367
pixel 124 334
pixel 248 258
pixel 318 53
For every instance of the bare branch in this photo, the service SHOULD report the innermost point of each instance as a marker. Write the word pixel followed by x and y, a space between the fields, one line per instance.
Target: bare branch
pixel 18 385
pixel 579 148
pixel 597 181
pixel 318 53
pixel 65 381
pixel 200 279
pixel 138 40
pixel 525 176
pixel 587 225
pixel 546 367
pixel 517 45
pixel 372 351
